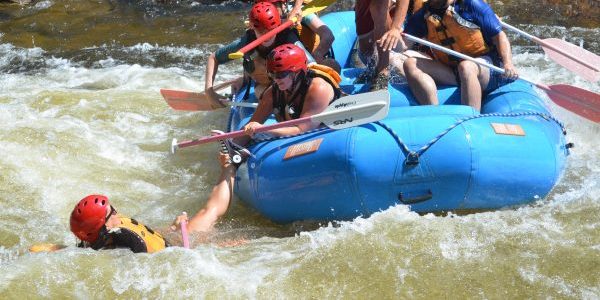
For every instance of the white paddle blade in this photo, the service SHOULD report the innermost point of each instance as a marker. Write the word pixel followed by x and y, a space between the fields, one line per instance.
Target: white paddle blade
pixel 174 146
pixel 355 110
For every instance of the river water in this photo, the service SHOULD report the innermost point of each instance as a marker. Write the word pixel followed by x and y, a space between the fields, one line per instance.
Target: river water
pixel 80 113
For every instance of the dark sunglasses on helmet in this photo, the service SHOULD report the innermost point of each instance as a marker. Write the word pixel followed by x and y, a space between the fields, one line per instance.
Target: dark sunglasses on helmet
pixel 280 75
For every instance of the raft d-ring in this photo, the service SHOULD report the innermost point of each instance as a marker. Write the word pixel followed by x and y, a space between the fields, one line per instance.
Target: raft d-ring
pixel 412 158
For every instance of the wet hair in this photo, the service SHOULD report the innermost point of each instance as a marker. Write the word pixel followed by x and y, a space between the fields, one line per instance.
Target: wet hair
pixel 332 63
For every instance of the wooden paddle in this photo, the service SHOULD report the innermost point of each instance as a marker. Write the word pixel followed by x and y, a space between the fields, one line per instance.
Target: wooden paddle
pixel 194 101
pixel 345 112
pixel 311 8
pixel 575 59
pixel 577 100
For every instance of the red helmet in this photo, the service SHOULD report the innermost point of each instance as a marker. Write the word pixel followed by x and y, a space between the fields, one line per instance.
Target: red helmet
pixel 271 1
pixel 264 16
pixel 287 57
pixel 88 216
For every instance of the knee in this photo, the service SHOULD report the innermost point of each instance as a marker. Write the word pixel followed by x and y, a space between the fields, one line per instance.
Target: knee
pixel 410 65
pixel 467 69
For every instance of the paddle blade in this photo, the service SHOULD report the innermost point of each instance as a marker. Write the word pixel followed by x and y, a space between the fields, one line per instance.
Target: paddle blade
pixel 588 70
pixel 582 102
pixel 312 10
pixel 183 100
pixel 45 247
pixel 355 110
pixel 236 55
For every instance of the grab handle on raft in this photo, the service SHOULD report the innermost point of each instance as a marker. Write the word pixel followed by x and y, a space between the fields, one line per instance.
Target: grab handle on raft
pixel 404 197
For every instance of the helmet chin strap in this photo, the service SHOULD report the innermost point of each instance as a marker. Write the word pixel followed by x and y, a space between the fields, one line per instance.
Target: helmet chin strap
pixel 296 82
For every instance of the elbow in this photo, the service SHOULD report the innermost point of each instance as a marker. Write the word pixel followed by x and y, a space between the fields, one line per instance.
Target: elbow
pixel 327 35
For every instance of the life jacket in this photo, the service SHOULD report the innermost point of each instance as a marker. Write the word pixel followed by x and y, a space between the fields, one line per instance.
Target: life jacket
pixel 283 109
pixel 130 234
pixel 308 37
pixel 454 32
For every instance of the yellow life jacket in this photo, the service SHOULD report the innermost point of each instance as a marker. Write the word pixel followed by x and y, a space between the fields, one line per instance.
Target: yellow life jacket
pixel 309 38
pixel 456 33
pixel 136 236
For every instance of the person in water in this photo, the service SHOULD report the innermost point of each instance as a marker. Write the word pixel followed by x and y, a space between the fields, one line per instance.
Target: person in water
pixel 97 225
pixel 298 90
pixel 467 26
pixel 263 17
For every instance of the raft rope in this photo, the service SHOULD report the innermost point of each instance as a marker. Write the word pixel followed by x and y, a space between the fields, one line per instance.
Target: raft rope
pixel 412 157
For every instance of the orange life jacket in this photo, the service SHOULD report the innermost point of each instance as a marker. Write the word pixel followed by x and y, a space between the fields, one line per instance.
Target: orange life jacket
pixel 456 33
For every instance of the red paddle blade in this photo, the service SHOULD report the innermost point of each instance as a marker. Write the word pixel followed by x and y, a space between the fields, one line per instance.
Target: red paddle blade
pixel 183 100
pixel 590 69
pixel 582 102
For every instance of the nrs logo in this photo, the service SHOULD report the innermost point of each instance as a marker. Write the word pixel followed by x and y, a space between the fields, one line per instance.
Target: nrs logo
pixel 344 121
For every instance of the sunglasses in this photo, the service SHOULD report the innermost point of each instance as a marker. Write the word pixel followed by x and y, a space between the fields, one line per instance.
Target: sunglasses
pixel 113 211
pixel 279 75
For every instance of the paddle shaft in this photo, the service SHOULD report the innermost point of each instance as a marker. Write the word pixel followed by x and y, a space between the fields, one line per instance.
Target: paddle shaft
pixel 266 36
pixel 184 234
pixel 313 7
pixel 346 112
pixel 234 134
pixel 544 44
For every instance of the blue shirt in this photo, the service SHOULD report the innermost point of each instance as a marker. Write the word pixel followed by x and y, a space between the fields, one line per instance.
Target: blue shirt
pixel 475 11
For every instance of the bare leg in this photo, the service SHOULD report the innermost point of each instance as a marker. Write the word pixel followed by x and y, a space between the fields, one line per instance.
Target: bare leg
pixel 423 74
pixel 379 10
pixel 397 60
pixel 473 80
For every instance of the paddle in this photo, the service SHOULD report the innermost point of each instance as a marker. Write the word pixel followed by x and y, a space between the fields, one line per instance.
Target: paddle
pixel 311 8
pixel 577 100
pixel 575 59
pixel 184 233
pixel 46 247
pixel 193 101
pixel 345 112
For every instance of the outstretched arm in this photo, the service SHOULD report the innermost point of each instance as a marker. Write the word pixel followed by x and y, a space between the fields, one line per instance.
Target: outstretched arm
pixel 218 201
pixel 212 66
pixel 318 96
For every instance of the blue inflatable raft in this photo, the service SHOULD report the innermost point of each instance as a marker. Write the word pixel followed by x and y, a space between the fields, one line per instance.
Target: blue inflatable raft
pixel 432 158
